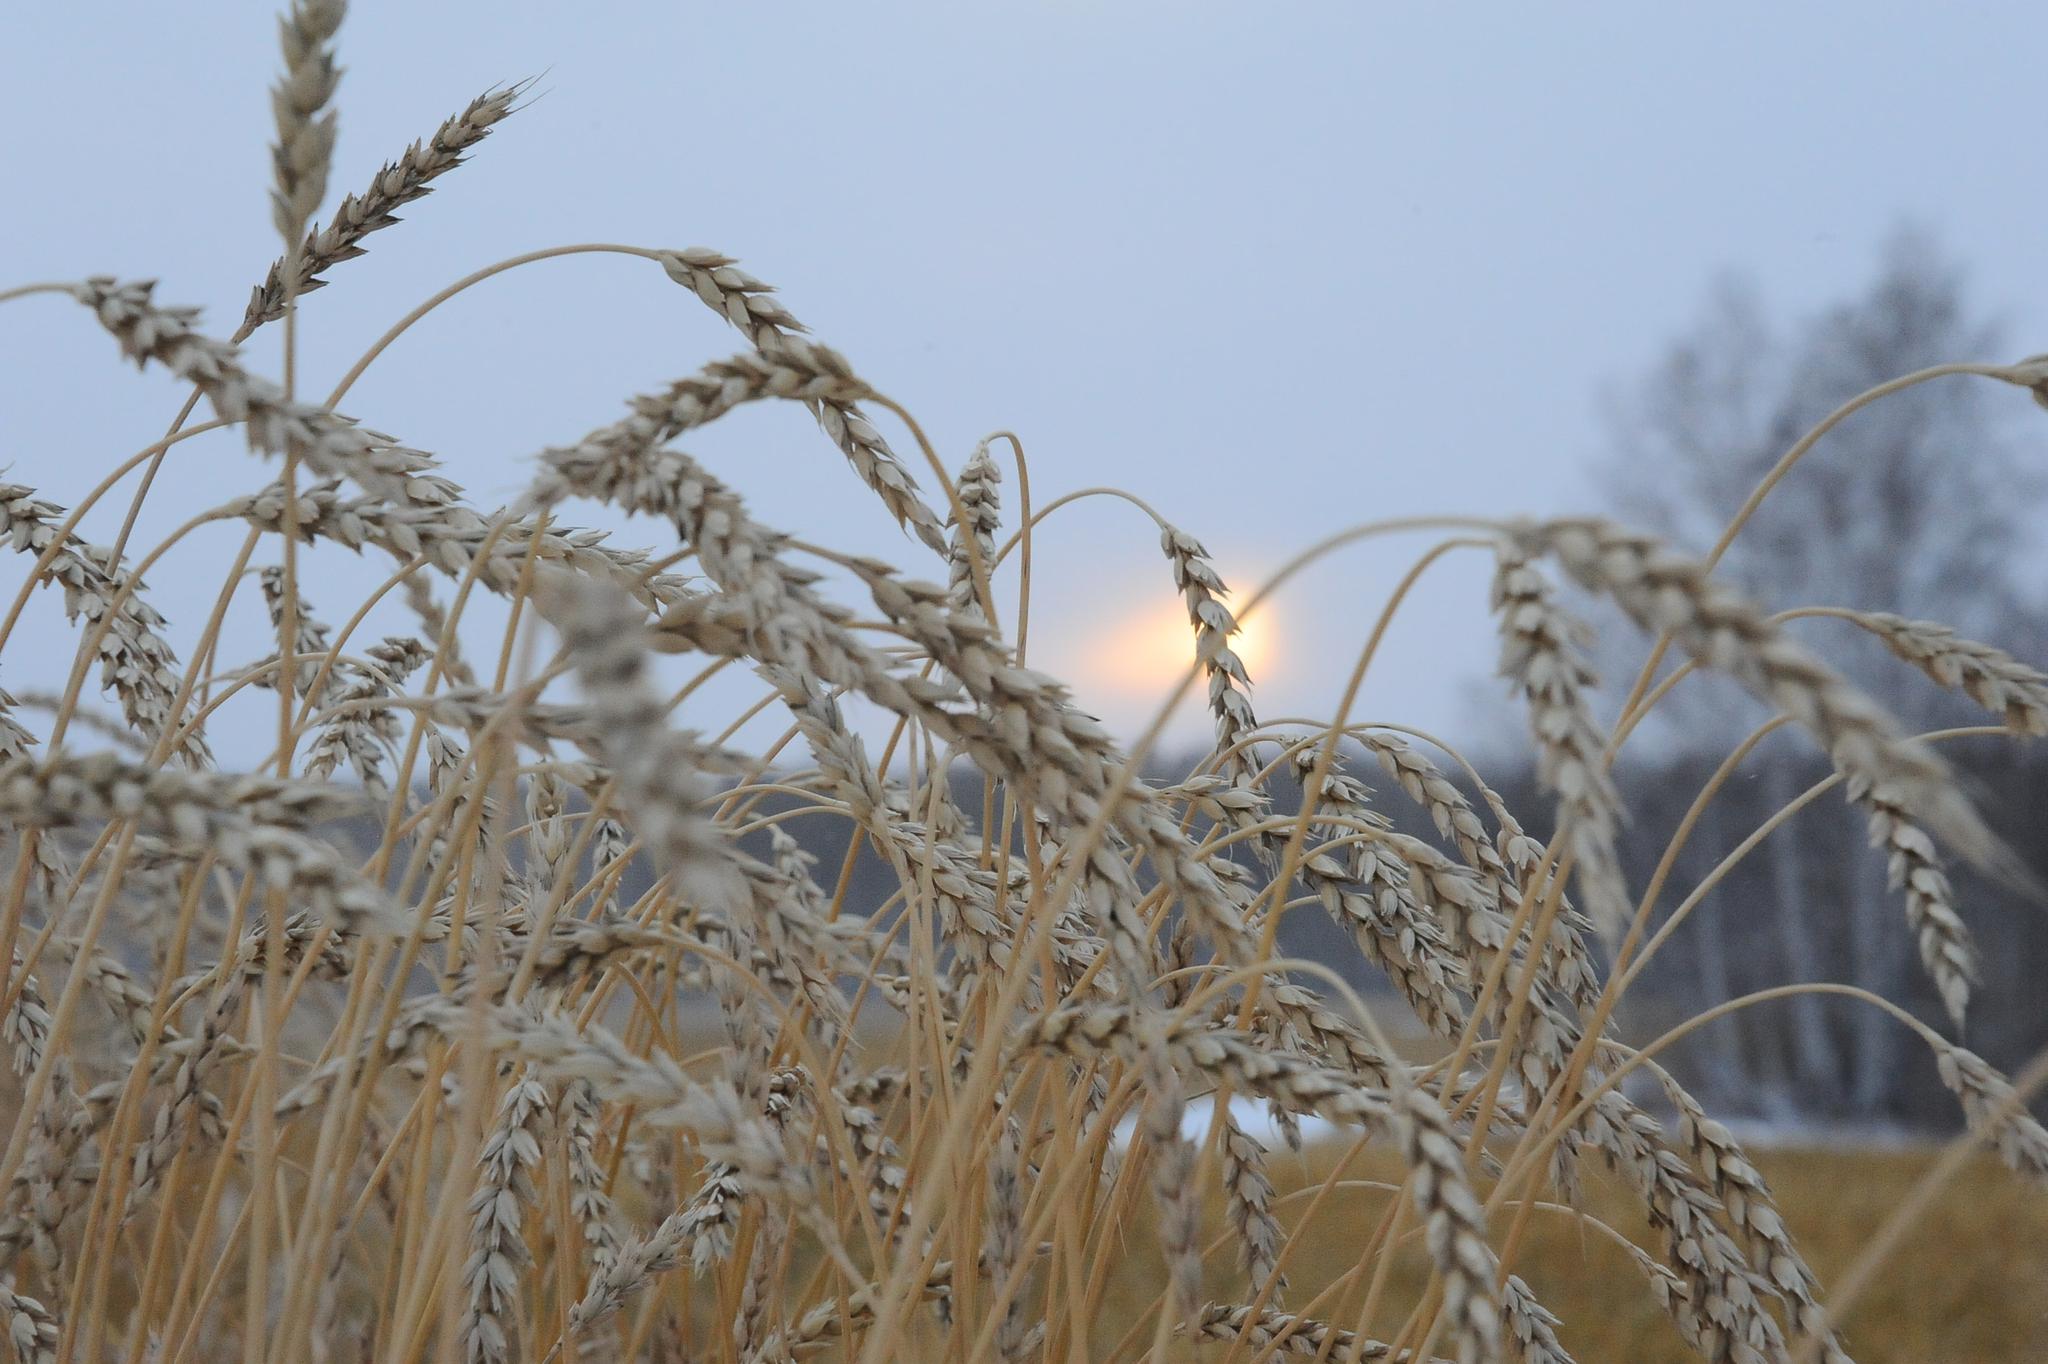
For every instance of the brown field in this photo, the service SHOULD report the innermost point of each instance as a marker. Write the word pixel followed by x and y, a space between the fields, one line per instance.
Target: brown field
pixel 1968 1286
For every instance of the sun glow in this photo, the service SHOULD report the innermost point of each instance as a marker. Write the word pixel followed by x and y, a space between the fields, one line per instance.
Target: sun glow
pixel 1148 651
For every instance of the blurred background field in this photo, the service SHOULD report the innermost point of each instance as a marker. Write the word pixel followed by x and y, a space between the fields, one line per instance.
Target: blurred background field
pixel 1969 1285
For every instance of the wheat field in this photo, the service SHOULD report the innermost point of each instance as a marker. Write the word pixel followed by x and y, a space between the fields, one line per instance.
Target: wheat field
pixel 496 1014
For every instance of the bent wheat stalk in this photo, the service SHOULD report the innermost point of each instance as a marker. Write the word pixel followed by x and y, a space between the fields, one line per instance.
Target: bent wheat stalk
pixel 534 1004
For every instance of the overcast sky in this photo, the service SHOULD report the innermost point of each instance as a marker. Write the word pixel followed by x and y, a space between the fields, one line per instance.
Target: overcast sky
pixel 1280 269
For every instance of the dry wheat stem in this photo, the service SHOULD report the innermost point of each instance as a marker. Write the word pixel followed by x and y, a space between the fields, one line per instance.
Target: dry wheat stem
pixel 443 1091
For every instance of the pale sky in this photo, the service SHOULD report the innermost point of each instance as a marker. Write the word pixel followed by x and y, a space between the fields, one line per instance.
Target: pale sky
pixel 1279 269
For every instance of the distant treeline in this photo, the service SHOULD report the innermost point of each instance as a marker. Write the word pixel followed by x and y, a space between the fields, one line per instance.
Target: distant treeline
pixel 1809 903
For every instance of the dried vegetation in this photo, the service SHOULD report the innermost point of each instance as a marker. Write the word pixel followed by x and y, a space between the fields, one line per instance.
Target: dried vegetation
pixel 453 1094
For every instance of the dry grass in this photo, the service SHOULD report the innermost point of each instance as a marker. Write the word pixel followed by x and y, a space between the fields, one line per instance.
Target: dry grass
pixel 1970 1285
pixel 393 1047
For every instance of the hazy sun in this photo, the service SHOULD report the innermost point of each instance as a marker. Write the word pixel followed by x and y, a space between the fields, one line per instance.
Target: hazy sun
pixel 1148 651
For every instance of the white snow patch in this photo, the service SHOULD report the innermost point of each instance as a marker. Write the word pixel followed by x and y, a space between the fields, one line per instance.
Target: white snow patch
pixel 1251 1115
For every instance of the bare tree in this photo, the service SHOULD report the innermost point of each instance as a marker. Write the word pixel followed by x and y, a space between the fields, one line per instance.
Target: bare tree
pixel 1922 504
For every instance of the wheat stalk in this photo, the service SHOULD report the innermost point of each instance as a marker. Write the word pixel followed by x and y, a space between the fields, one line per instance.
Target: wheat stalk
pixel 1540 653
pixel 2011 690
pixel 31 1327
pixel 517 1001
pixel 299 100
pixel 497 1247
pixel 399 183
pixel 1912 865
pixel 136 663
pixel 744 301
pixel 1665 592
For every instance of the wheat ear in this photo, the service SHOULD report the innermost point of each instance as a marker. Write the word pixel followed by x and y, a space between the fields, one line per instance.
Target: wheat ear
pixel 305 125
pixel 745 302
pixel 399 183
